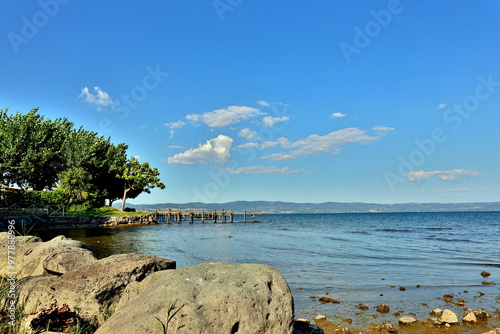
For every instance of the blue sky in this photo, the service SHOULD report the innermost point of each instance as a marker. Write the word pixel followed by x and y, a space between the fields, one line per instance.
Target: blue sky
pixel 374 101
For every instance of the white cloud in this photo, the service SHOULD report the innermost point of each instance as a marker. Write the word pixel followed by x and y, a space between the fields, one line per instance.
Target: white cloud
pixel 327 144
pixel 100 100
pixel 176 146
pixel 269 121
pixel 215 151
pixel 441 105
pixel 194 117
pixel 175 125
pixel 420 176
pixel 263 170
pixel 278 156
pixel 226 116
pixel 246 145
pixel 247 133
pixel 382 130
pixel 337 115
pixel 264 103
pixel 269 144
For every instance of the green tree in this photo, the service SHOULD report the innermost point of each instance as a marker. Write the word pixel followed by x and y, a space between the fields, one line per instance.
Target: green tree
pixel 100 158
pixel 76 183
pixel 138 177
pixel 30 149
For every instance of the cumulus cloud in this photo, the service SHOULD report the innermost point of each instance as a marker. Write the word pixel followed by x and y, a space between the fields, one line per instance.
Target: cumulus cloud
pixel 100 100
pixel 247 133
pixel 441 105
pixel 176 146
pixel 269 121
pixel 327 144
pixel 215 151
pixel 226 116
pixel 337 115
pixel 420 176
pixel 263 170
pixel 264 103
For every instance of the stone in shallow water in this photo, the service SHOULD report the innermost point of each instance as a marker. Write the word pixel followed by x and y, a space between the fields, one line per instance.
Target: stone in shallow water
pixel 469 317
pixel 449 317
pixel 382 308
pixel 407 320
pixel 436 312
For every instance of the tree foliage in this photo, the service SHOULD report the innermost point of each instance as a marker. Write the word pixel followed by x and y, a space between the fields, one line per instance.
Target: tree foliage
pixel 138 177
pixel 42 154
pixel 31 154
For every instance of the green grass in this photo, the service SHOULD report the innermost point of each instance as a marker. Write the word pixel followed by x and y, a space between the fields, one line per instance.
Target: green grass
pixel 105 211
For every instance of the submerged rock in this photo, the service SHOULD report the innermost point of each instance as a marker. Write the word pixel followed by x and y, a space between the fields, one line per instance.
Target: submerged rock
pixel 485 274
pixel 324 300
pixel 382 308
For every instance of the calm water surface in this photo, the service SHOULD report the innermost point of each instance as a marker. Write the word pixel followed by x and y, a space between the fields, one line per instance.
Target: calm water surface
pixel 354 258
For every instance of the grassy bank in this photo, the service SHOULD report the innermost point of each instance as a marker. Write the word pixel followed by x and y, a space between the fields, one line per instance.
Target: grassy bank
pixel 105 211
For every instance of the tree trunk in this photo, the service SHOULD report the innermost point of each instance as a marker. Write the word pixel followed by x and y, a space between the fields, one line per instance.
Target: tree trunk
pixel 125 191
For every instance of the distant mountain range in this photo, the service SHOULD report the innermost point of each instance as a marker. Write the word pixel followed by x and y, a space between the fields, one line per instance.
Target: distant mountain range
pixel 327 207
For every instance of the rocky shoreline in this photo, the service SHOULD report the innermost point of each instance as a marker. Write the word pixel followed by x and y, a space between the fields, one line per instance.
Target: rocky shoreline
pixel 46 222
pixel 61 282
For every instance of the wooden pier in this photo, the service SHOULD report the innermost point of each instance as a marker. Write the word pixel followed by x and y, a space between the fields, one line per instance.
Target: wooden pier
pixel 223 216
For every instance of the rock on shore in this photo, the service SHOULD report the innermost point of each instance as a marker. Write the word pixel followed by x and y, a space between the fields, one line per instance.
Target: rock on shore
pixel 210 297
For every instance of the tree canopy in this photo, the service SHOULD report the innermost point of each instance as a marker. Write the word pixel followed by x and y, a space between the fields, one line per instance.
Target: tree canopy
pixel 42 154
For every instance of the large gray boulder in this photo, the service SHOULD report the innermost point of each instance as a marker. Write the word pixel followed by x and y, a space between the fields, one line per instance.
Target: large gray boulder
pixel 33 256
pixel 210 298
pixel 92 288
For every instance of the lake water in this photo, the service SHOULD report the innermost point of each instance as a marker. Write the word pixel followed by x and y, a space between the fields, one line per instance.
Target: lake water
pixel 353 258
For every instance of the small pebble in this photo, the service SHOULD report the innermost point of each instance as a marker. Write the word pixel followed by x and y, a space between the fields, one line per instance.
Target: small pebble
pixel 485 274
pixel 320 317
pixel 402 289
